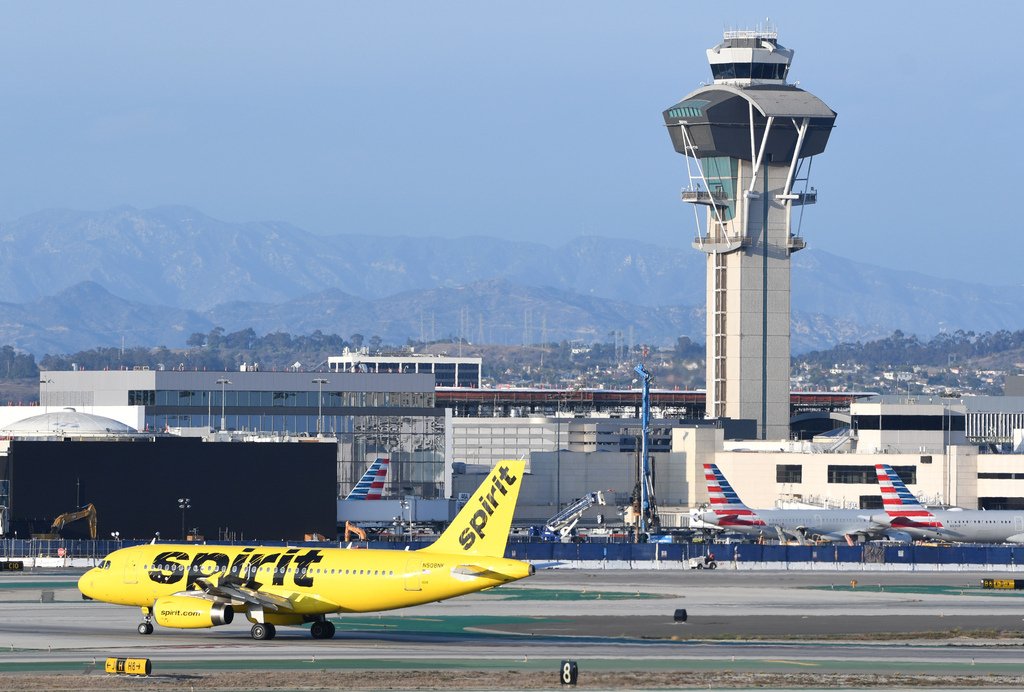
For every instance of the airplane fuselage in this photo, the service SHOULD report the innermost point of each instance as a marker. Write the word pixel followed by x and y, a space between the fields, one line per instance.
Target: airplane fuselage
pixel 966 526
pixel 196 586
pixel 827 524
pixel 314 580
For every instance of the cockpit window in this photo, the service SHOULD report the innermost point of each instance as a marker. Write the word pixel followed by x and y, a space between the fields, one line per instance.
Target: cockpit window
pixel 104 565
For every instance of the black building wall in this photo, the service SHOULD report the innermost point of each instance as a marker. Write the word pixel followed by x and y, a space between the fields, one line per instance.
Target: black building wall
pixel 271 491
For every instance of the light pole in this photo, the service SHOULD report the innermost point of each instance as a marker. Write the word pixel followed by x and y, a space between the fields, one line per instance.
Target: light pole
pixel 42 393
pixel 222 382
pixel 183 504
pixel 320 382
pixel 405 506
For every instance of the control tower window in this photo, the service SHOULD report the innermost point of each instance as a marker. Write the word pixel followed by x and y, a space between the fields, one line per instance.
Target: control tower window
pixel 746 70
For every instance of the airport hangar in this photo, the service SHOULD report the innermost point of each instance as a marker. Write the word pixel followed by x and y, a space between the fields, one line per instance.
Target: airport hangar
pixel 270 475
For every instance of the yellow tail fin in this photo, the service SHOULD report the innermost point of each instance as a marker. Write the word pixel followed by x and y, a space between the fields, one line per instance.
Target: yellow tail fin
pixel 481 528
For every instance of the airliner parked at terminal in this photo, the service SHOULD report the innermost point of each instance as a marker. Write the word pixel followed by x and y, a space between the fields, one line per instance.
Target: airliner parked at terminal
pixel 192 586
pixel 904 513
pixel 728 512
pixel 371 485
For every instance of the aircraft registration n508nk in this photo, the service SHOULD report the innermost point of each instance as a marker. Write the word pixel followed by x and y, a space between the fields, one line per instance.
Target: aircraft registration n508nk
pixel 195 586
pixel 728 512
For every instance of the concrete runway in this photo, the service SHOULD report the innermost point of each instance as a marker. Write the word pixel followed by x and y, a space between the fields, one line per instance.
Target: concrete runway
pixel 612 620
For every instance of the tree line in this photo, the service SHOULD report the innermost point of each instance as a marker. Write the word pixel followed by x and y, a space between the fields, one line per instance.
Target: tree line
pixel 219 350
pixel 901 349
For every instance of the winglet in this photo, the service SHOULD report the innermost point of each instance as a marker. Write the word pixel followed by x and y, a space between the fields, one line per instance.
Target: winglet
pixel 481 528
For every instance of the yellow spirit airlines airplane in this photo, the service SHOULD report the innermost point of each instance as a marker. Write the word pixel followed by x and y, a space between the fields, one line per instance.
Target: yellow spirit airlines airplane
pixel 194 586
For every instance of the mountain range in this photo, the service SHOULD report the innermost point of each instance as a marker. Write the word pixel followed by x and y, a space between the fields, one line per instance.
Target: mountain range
pixel 76 280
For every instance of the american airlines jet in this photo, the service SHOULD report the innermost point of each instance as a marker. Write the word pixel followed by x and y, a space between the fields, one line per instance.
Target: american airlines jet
pixel 904 513
pixel 728 512
pixel 371 485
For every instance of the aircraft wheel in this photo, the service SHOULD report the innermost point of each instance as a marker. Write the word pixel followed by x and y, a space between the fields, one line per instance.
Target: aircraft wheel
pixel 145 628
pixel 322 629
pixel 261 632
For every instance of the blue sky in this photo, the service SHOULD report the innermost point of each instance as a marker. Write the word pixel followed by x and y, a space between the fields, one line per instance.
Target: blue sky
pixel 532 120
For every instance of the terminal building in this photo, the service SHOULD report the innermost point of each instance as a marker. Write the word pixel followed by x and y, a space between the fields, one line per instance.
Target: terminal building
pixel 255 442
pixel 924 439
pixel 448 371
pixel 136 436
pixel 366 414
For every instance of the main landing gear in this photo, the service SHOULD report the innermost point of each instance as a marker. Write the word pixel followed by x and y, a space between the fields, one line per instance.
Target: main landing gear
pixel 322 629
pixel 262 632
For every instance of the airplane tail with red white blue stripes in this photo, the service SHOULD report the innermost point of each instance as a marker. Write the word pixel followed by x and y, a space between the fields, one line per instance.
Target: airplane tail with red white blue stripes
pixel 371 485
pixel 903 509
pixel 726 505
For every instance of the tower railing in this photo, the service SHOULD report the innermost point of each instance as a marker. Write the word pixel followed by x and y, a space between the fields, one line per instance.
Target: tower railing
pixel 695 195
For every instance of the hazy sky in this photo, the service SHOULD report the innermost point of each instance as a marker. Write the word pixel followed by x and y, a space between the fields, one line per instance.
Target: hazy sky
pixel 534 120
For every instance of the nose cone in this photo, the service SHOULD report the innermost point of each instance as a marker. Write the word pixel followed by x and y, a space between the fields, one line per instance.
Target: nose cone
pixel 86 584
pixel 705 518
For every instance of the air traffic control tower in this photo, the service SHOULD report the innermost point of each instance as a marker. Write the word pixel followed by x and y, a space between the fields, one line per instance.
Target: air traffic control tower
pixel 749 138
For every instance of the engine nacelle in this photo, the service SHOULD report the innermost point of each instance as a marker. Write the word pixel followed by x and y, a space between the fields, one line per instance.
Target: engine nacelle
pixel 186 612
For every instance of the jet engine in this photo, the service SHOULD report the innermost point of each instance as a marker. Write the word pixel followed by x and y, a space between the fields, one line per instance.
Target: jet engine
pixel 187 612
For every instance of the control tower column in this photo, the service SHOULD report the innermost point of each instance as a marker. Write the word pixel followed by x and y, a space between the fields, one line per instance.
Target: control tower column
pixel 749 138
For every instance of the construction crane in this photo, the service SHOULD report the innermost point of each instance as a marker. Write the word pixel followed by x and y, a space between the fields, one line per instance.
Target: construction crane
pixel 87 512
pixel 560 526
pixel 648 521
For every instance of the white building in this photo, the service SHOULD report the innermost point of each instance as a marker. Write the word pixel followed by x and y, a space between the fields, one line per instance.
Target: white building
pixel 448 371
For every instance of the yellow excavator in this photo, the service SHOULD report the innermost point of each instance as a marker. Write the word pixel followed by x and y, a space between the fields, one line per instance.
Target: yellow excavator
pixel 353 530
pixel 87 512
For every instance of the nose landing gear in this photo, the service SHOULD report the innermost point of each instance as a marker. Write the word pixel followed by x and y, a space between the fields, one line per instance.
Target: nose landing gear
pixel 146 627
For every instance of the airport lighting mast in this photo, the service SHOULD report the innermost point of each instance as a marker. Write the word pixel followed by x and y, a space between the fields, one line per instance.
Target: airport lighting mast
pixel 749 138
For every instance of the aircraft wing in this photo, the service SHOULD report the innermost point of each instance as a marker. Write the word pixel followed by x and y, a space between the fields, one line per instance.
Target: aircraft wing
pixel 252 593
pixel 245 591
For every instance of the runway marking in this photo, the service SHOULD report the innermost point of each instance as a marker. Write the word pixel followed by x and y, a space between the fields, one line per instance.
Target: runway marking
pixel 533 594
pixel 920 589
pixel 792 663
pixel 52 585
